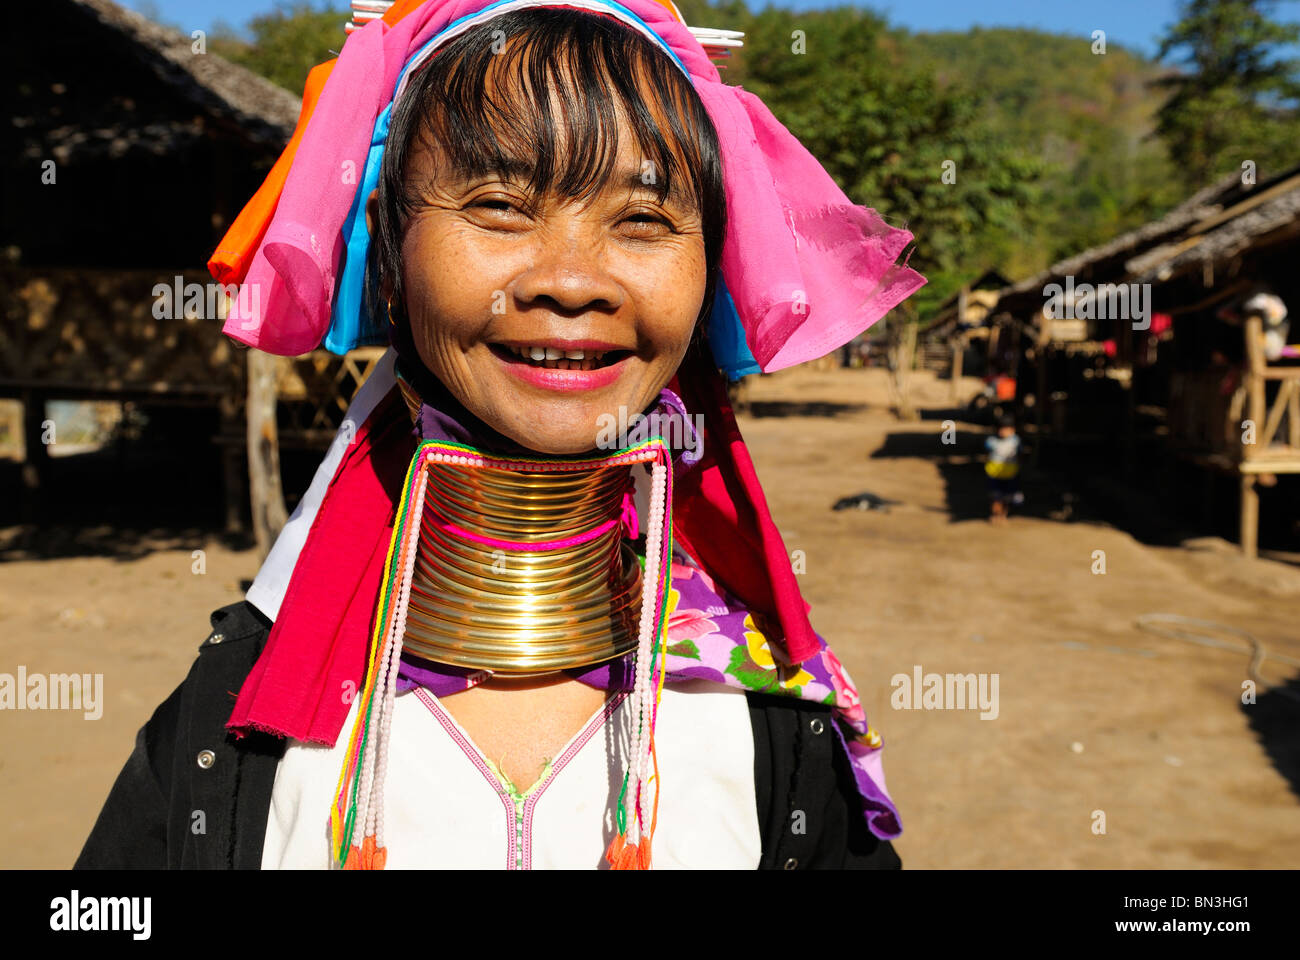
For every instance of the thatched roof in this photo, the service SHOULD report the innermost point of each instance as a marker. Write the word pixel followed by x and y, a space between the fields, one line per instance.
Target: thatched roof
pixel 1213 224
pixel 1223 236
pixel 265 112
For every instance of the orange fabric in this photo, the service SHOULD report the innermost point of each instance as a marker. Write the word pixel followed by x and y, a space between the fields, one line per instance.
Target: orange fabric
pixel 668 5
pixel 229 262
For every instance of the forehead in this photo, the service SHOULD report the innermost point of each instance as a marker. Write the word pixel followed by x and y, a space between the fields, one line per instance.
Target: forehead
pixel 504 131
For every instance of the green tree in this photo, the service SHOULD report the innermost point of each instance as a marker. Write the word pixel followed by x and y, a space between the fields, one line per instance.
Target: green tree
pixel 1235 98
pixel 887 131
pixel 288 42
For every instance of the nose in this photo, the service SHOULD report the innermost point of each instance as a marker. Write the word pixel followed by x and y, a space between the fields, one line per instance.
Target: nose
pixel 569 271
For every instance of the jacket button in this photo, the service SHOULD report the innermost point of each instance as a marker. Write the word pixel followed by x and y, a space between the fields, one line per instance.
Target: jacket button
pixel 216 638
pixel 817 726
pixel 791 864
pixel 206 758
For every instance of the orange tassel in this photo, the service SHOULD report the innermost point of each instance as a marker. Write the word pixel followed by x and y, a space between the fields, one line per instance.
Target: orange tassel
pixel 366 857
pixel 622 855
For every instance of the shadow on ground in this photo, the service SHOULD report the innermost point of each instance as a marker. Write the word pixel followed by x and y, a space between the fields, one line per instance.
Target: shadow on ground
pixel 799 408
pixel 1275 719
pixel 1159 500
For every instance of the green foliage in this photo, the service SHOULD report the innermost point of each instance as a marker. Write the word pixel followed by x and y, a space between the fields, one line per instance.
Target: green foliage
pixel 886 128
pixel 1235 98
pixel 1085 118
pixel 287 43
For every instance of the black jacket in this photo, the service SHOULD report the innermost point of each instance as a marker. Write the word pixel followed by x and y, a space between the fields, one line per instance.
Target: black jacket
pixel 192 796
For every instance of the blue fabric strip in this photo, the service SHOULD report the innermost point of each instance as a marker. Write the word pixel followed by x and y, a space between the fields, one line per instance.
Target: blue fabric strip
pixel 350 324
pixel 727 336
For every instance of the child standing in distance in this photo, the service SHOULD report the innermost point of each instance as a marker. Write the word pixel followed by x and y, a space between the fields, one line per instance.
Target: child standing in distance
pixel 1003 468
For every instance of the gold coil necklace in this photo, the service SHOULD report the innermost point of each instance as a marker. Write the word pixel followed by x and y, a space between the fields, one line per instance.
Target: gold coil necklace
pixel 524 572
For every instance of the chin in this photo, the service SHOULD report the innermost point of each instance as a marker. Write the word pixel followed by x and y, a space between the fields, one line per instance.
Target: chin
pixel 560 427
pixel 554 438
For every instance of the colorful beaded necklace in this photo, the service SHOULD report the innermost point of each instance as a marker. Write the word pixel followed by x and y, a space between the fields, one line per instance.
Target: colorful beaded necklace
pixel 359 803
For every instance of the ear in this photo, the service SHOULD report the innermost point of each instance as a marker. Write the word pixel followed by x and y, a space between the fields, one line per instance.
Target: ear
pixel 372 217
pixel 372 211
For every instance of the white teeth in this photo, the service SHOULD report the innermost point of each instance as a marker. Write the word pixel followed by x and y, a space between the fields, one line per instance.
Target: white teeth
pixel 548 354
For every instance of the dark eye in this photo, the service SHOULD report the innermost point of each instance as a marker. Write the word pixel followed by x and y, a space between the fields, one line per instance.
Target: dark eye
pixel 645 222
pixel 496 203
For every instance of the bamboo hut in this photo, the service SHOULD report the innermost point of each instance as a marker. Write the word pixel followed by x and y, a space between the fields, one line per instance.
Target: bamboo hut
pixel 1147 353
pixel 132 149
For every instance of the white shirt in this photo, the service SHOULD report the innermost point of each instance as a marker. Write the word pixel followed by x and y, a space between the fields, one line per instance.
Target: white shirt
pixel 445 806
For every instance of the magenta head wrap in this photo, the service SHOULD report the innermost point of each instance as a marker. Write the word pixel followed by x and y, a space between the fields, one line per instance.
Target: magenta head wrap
pixel 804 270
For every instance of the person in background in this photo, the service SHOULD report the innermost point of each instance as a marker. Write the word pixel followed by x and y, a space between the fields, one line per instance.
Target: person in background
pixel 1003 468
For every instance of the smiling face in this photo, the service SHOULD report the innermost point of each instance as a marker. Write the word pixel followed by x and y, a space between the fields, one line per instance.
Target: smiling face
pixel 542 312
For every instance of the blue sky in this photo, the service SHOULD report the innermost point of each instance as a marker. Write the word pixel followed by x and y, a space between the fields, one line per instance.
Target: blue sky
pixel 1132 23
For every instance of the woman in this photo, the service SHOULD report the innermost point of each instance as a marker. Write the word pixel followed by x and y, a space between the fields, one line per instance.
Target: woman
pixel 533 611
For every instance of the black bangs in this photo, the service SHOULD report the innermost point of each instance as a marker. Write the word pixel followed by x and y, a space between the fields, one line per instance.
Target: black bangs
pixel 534 95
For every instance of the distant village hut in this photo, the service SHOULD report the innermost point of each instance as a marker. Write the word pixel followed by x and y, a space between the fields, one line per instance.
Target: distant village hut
pixel 1173 338
pixel 131 150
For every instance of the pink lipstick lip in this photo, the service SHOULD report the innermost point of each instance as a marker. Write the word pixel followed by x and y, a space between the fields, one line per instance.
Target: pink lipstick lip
pixel 565 381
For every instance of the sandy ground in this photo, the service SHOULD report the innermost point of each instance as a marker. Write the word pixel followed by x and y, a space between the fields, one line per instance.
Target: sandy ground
pixel 1093 714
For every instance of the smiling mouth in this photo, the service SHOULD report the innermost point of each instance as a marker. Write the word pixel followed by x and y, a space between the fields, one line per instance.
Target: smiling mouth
pixel 552 359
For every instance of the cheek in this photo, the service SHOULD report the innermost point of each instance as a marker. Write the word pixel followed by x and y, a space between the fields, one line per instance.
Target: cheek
pixel 448 286
pixel 672 298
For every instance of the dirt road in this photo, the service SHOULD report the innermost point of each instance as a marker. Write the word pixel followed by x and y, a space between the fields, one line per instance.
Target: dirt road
pixel 1095 719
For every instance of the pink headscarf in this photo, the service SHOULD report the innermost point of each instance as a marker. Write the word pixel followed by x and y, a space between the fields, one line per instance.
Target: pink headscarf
pixel 807 269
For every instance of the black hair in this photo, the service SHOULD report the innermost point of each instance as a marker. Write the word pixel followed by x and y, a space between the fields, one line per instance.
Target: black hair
pixel 577 55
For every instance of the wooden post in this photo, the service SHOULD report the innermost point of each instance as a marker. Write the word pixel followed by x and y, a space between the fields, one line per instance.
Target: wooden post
pixel 1249 532
pixel 1040 391
pixel 265 494
pixel 958 355
pixel 906 356
pixel 1256 412
pixel 1293 418
pixel 1255 363
pixel 36 457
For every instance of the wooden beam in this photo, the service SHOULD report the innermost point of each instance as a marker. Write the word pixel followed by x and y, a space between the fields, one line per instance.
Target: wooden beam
pixel 1249 529
pixel 1265 436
